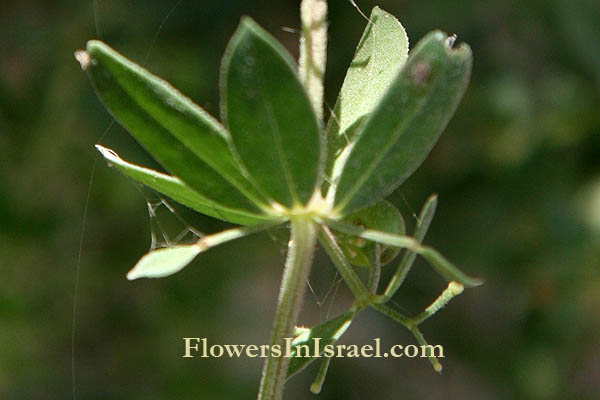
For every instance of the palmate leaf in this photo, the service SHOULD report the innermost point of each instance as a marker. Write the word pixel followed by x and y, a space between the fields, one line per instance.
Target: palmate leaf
pixel 187 141
pixel 388 116
pixel 269 115
pixel 407 122
pixel 380 55
pixel 174 188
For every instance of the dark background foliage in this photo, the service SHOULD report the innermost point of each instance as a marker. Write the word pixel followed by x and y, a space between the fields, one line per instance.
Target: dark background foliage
pixel 517 172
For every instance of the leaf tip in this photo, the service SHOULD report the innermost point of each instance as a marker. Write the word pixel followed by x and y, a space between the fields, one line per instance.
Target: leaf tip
pixel 476 282
pixel 379 12
pixel 461 53
pixel 464 53
pixel 108 154
pixel 247 22
pixel 132 275
pixel 431 202
pixel 95 45
pixel 94 48
pixel 439 35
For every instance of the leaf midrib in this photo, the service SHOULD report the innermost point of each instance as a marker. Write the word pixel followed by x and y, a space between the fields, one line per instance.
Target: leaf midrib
pixel 276 135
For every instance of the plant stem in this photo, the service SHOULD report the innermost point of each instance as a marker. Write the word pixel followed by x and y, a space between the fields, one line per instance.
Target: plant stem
pixel 421 339
pixel 453 290
pixel 297 268
pixel 332 248
pixel 313 51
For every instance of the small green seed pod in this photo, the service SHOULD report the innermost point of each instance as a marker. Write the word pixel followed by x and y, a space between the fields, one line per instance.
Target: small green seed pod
pixel 381 216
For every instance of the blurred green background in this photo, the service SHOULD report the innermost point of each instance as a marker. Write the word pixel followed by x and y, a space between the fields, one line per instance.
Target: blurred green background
pixel 517 171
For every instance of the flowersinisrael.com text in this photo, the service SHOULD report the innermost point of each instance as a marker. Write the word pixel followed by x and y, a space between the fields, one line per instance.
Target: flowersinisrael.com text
pixel 200 347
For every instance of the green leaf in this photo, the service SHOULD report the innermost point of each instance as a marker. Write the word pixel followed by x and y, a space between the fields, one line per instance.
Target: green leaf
pixel 179 191
pixel 167 261
pixel 187 141
pixel 269 115
pixel 326 333
pixel 164 262
pixel 380 55
pixel 406 124
pixel 439 263
pixel 421 228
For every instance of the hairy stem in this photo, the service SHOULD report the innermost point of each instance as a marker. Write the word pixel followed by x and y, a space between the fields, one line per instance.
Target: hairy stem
pixel 332 248
pixel 453 290
pixel 297 268
pixel 421 340
pixel 313 51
